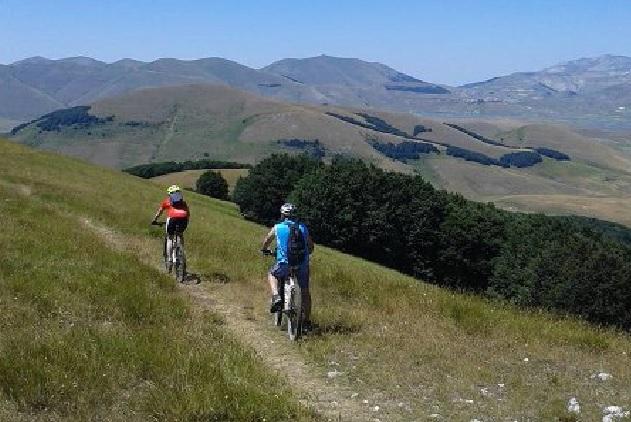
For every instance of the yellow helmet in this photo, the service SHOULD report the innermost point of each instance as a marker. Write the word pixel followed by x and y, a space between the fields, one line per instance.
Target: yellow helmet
pixel 173 188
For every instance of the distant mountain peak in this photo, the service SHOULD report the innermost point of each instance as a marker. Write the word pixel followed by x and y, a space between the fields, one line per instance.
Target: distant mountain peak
pixel 31 60
pixel 82 61
pixel 345 71
pixel 605 62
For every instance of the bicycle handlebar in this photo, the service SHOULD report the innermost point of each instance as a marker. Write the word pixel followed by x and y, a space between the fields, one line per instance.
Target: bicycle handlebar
pixel 158 223
pixel 267 252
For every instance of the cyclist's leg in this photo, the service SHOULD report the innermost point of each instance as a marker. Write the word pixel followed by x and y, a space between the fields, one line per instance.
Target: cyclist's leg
pixel 170 231
pixel 273 283
pixel 182 223
pixel 276 274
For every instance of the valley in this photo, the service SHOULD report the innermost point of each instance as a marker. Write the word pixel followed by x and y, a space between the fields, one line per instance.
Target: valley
pixel 459 155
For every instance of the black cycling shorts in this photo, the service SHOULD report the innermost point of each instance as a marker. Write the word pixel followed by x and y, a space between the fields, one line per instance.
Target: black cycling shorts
pixel 176 225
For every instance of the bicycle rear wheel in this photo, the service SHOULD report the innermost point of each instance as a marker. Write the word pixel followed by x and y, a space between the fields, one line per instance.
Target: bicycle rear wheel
pixel 180 262
pixel 294 313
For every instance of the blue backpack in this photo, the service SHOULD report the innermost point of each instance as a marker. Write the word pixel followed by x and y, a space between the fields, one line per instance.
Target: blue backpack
pixel 176 199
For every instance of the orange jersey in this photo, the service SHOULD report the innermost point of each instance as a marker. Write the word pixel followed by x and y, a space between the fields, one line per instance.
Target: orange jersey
pixel 180 212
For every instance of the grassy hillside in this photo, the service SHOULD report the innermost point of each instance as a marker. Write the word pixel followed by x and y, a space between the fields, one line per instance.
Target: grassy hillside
pixel 188 178
pixel 91 333
pixel 400 349
pixel 191 122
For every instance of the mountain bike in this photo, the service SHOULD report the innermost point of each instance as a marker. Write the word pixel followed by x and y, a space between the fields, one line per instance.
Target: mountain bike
pixel 178 256
pixel 291 298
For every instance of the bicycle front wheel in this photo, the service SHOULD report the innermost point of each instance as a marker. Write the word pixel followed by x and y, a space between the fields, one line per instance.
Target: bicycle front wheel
pixel 294 316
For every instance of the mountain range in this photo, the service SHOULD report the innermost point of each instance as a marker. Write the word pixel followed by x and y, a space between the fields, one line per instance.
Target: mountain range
pixel 591 92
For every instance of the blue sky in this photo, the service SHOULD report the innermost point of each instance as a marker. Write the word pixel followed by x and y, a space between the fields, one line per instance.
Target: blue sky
pixel 449 42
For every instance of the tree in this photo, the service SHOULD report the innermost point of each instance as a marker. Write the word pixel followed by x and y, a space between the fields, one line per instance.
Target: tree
pixel 267 186
pixel 212 184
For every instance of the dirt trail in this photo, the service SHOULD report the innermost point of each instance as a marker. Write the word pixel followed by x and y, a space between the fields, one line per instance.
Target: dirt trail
pixel 312 386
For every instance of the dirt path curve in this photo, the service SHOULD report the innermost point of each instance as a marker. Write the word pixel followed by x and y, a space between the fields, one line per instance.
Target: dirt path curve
pixel 312 386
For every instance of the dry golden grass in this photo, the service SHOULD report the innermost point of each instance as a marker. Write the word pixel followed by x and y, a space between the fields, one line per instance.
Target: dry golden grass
pixel 188 178
pixel 616 209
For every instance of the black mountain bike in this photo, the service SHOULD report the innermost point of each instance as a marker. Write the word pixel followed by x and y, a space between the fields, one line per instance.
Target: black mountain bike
pixel 291 298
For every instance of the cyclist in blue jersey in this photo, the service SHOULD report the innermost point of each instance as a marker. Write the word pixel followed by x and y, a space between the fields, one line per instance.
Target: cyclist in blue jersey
pixel 280 269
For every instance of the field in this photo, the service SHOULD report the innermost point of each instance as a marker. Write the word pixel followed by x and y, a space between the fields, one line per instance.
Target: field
pixel 605 208
pixel 93 307
pixel 188 178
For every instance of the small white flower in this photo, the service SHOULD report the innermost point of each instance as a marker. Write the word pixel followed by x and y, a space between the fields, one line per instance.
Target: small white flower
pixel 573 406
pixel 603 376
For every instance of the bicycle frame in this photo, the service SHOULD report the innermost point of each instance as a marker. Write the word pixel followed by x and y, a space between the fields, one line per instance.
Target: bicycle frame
pixel 178 256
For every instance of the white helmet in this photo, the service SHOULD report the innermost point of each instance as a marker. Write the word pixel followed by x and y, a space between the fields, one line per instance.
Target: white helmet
pixel 287 209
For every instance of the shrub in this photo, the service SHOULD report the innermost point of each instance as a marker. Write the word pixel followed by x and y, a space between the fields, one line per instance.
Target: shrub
pixel 310 147
pixel 212 184
pixel 469 155
pixel 407 150
pixel 551 153
pixel 520 159
pixel 420 129
pixel 267 186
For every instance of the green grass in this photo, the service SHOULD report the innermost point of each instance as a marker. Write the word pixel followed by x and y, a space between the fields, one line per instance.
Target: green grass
pixel 89 333
pixel 411 348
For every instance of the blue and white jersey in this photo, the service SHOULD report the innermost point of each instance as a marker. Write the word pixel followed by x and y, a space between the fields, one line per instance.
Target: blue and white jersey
pixel 282 240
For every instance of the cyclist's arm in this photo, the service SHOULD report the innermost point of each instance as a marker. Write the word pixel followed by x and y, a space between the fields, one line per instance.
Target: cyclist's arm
pixel 158 214
pixel 310 244
pixel 269 238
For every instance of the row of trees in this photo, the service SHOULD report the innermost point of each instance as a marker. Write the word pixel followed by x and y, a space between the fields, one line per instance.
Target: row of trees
pixel 546 152
pixel 468 155
pixel 371 122
pixel 403 222
pixel 477 136
pixel 307 146
pixel 147 171
pixel 54 121
pixel 407 150
pixel 552 153
pixel 519 159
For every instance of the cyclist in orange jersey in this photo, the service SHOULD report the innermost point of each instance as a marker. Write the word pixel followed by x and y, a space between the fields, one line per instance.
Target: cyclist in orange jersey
pixel 177 217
